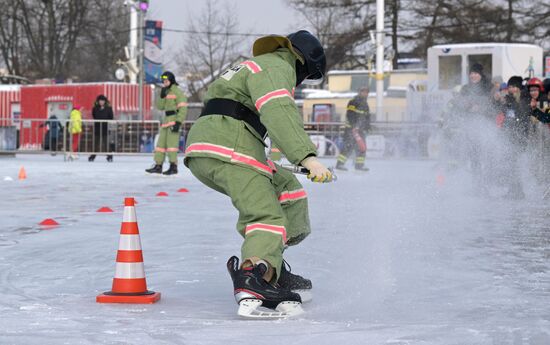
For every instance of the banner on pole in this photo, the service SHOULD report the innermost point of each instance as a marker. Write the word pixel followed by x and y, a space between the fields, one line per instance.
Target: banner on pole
pixel 152 57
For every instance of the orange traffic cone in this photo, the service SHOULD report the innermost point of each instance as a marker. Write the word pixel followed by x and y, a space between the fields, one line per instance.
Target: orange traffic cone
pixel 22 173
pixel 129 285
pixel 440 179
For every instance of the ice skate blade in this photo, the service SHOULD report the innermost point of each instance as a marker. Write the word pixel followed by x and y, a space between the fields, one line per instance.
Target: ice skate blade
pixel 306 295
pixel 248 308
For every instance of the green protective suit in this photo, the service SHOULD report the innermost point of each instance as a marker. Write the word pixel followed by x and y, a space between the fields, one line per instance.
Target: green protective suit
pixel 168 142
pixel 228 155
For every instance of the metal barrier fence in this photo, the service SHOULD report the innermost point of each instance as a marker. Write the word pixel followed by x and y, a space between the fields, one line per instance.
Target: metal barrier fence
pixel 386 139
pixel 96 136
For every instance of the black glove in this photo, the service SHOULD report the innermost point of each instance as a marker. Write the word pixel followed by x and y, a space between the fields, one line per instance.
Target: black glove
pixel 176 127
pixel 163 92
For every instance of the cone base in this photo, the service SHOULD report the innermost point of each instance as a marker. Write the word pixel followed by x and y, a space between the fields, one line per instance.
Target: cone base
pixel 149 297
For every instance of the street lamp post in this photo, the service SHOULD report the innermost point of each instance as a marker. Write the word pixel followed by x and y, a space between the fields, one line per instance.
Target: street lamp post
pixel 132 51
pixel 140 62
pixel 136 46
pixel 379 58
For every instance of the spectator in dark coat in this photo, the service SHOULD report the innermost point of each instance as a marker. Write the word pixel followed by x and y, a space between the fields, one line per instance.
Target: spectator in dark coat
pixel 53 133
pixel 538 100
pixel 517 111
pixel 476 94
pixel 102 111
pixel 516 114
pixel 475 105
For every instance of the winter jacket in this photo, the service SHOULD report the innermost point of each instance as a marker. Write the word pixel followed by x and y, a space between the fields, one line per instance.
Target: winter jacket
pixel 175 101
pixel 75 124
pixel 265 85
pixel 54 127
pixel 358 114
pixel 475 99
pixel 105 113
pixel 516 120
pixel 540 114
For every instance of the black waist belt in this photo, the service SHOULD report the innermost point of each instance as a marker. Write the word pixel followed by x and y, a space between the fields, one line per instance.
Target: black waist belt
pixel 170 112
pixel 236 110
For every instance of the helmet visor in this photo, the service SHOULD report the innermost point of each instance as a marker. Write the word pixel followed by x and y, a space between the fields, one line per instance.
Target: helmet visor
pixel 314 79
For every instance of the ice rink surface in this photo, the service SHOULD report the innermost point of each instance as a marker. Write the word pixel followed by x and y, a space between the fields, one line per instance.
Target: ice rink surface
pixel 404 254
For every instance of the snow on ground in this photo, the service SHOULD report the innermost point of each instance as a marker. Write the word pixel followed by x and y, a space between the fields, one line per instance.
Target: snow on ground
pixel 397 256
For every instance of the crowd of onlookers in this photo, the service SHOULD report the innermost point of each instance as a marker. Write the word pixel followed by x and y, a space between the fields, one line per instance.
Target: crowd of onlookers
pixel 101 111
pixel 491 124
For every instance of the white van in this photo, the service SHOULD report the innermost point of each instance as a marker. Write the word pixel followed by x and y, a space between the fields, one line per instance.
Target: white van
pixel 449 67
pixel 449 64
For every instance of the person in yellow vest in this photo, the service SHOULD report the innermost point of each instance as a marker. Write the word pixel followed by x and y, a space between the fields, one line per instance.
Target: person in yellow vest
pixel 75 128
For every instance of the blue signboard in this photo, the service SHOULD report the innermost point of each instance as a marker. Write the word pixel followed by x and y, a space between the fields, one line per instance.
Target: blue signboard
pixel 152 61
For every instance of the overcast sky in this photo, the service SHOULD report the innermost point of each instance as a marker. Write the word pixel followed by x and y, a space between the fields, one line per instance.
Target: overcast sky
pixel 256 16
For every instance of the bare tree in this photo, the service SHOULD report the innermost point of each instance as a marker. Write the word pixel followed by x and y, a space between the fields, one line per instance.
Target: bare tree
pixel 210 46
pixel 103 41
pixel 394 16
pixel 534 23
pixel 52 28
pixel 342 27
pixel 10 35
pixel 62 38
pixel 458 21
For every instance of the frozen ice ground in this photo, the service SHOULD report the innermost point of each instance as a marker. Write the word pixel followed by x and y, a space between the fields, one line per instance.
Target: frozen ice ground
pixel 395 258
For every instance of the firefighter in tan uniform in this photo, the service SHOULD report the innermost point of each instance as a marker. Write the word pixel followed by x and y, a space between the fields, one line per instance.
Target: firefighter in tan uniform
pixel 174 103
pixel 226 151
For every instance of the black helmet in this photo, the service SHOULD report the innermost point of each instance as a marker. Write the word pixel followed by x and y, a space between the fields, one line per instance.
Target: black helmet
pixel 170 76
pixel 311 49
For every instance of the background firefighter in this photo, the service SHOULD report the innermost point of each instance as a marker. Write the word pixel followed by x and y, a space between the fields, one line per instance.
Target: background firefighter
pixel 174 103
pixel 357 125
pixel 226 151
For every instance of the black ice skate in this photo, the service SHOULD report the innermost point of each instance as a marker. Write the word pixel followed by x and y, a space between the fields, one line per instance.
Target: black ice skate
pixel 172 170
pixel 155 169
pixel 252 292
pixel 295 283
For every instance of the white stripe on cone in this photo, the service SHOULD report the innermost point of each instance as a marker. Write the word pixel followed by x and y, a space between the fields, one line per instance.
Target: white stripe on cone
pixel 129 214
pixel 129 270
pixel 129 242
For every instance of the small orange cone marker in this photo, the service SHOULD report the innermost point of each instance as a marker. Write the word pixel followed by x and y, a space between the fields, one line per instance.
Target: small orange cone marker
pixel 22 173
pixel 183 190
pixel 48 223
pixel 162 194
pixel 105 209
pixel 440 179
pixel 129 285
